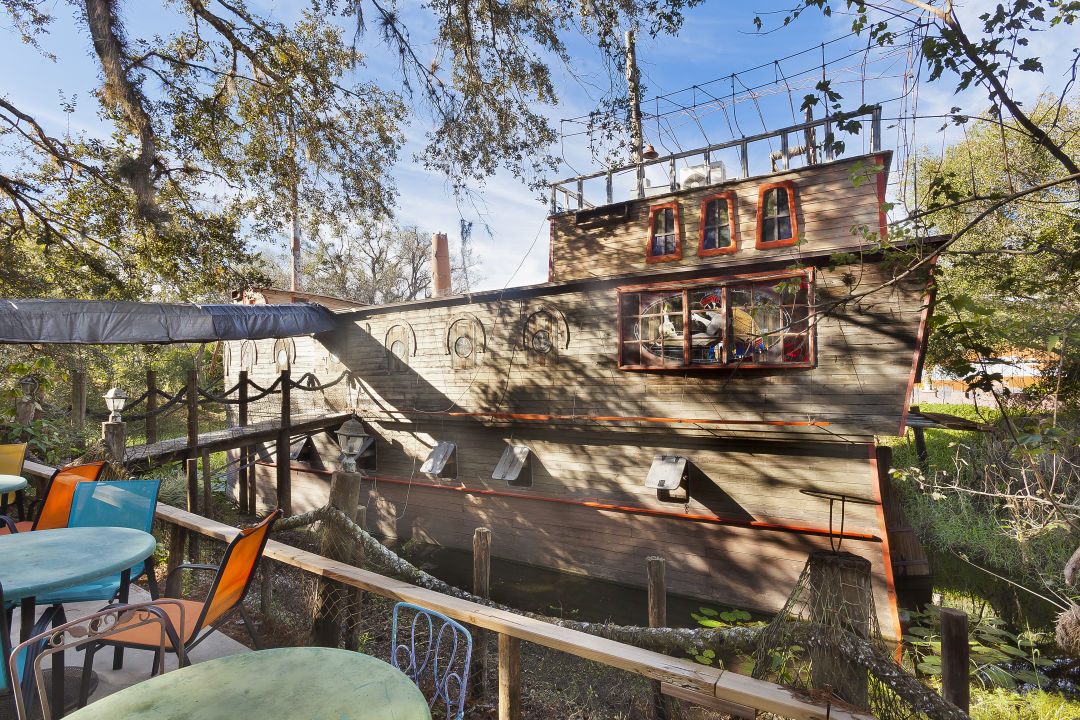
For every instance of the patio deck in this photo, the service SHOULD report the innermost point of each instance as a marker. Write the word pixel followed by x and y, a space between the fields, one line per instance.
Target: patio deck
pixel 136 663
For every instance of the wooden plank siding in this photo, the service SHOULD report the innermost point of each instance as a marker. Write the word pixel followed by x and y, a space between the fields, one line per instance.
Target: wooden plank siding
pixel 587 509
pixel 828 207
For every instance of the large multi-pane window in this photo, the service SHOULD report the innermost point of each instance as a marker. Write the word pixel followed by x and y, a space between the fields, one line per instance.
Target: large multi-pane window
pixel 776 223
pixel 764 321
pixel 664 233
pixel 718 234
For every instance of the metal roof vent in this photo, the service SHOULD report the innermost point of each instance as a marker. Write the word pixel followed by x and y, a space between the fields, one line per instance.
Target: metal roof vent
pixel 441 461
pixel 298 445
pixel 666 473
pixel 514 467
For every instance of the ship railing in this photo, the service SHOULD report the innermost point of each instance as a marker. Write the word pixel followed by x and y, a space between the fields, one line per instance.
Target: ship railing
pixel 803 145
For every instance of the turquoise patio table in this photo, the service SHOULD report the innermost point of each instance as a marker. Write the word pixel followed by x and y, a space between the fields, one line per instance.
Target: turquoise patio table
pixel 41 561
pixel 297 683
pixel 11 483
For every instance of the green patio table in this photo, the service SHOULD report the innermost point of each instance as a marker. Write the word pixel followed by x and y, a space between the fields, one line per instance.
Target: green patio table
pixel 297 683
pixel 41 561
pixel 11 483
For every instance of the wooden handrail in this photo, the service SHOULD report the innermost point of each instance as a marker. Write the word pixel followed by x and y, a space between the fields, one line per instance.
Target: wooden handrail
pixel 709 681
pixel 675 672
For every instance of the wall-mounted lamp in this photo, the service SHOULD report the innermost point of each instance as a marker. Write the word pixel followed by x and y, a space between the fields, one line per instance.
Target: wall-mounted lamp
pixel 114 401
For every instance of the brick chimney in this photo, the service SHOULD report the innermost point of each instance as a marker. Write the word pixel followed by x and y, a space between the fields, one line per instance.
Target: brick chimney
pixel 440 265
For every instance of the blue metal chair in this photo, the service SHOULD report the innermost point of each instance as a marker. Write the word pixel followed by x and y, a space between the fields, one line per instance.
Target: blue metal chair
pixel 108 503
pixel 432 656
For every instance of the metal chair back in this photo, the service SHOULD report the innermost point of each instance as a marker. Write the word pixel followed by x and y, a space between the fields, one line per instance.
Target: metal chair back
pixel 435 654
pixel 30 658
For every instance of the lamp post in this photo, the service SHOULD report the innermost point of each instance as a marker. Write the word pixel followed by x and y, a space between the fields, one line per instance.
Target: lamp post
pixel 112 430
pixel 350 436
pixel 114 401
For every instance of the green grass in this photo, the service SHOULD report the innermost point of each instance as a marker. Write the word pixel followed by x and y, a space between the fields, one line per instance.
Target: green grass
pixel 1000 704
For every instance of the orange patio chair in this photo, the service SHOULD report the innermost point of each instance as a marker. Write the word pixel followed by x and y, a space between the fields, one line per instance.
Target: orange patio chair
pixel 55 506
pixel 226 595
pixel 12 456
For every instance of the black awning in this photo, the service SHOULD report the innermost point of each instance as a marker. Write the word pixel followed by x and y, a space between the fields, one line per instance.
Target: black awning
pixel 94 322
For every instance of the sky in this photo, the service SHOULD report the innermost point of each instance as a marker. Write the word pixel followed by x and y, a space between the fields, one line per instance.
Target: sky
pixel 717 58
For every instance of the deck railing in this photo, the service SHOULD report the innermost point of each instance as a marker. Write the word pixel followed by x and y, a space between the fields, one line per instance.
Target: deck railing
pixel 683 679
pixel 713 160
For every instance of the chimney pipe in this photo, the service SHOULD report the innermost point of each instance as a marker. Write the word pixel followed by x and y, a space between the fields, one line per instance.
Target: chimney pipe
pixel 440 265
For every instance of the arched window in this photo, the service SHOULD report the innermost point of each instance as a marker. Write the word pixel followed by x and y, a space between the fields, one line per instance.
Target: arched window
pixel 545 334
pixel 776 222
pixel 400 346
pixel 465 340
pixel 664 233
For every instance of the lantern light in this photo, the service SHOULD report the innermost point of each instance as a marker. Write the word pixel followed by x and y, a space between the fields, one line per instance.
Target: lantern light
pixel 114 401
pixel 351 437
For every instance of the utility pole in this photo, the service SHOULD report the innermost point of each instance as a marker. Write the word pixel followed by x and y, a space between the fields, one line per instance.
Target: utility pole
pixel 296 285
pixel 633 86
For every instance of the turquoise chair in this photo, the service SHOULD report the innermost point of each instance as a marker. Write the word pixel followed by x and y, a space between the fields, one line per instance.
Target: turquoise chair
pixel 110 503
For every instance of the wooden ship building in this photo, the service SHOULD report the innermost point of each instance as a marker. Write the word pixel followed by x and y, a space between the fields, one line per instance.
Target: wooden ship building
pixel 701 355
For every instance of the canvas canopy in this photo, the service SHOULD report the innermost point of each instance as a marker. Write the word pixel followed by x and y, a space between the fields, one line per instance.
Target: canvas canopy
pixel 93 322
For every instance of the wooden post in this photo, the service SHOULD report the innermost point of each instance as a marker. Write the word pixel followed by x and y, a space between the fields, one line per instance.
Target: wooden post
pixel 266 587
pixel 920 446
pixel 657 618
pixel 840 596
pixel 284 473
pixel 509 677
pixel 208 506
pixel 78 406
pixel 192 411
pixel 151 406
pixel 177 540
pixel 112 434
pixel 242 475
pixel 353 636
pixel 193 504
pixel 331 596
pixel 954 657
pixel 481 547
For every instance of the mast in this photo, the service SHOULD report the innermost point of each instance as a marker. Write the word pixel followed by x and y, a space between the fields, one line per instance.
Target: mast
pixel 633 86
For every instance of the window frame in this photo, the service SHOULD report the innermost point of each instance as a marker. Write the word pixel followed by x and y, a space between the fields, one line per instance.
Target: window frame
pixel 808 276
pixel 761 244
pixel 677 255
pixel 729 196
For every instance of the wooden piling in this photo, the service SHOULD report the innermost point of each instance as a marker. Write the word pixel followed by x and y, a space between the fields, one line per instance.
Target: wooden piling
pixel 151 406
pixel 657 618
pixel 955 672
pixel 331 597
pixel 840 596
pixel 481 588
pixel 192 397
pixel 509 677
pixel 242 475
pixel 920 446
pixel 284 472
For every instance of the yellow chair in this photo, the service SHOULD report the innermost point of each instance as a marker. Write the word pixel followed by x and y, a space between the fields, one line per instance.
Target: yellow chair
pixel 11 463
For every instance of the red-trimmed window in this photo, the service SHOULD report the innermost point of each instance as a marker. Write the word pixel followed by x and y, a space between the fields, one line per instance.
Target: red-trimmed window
pixel 664 233
pixel 749 321
pixel 776 223
pixel 718 235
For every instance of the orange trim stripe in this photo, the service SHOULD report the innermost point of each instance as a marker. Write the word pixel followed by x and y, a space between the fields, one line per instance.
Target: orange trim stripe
pixel 602 418
pixel 886 556
pixel 604 506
